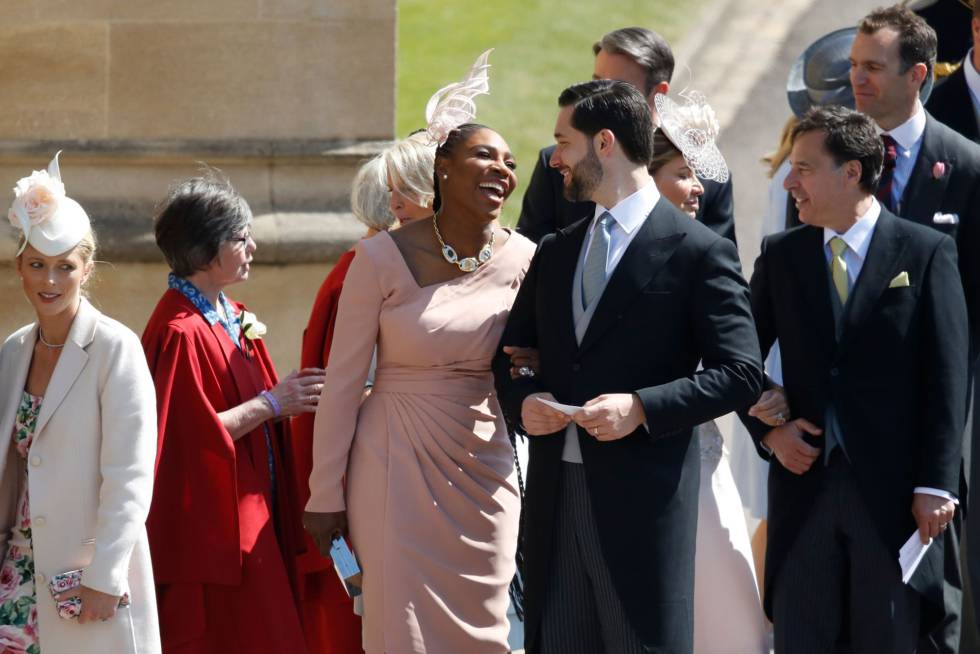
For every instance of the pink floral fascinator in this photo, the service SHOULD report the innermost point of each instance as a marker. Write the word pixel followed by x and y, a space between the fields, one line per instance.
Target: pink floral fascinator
pixel 452 106
pixel 51 221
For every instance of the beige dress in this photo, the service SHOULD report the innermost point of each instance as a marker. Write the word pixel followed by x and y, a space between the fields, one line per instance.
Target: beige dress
pixel 431 487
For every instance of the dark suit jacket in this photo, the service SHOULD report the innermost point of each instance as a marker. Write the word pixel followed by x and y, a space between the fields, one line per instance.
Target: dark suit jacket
pixel 952 105
pixel 897 379
pixel 676 298
pixel 545 209
pixel 956 192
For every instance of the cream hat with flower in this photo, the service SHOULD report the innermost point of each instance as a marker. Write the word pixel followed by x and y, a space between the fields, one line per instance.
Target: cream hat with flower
pixel 52 222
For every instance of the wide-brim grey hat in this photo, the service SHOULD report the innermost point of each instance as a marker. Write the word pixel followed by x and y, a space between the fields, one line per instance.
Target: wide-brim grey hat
pixel 821 74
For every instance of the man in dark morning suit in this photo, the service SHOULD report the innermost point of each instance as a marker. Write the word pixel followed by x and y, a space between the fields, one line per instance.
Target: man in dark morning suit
pixel 932 177
pixel 872 326
pixel 643 58
pixel 622 305
pixel 954 102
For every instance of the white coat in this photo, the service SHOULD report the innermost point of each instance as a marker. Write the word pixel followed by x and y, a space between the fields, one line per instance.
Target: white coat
pixel 90 479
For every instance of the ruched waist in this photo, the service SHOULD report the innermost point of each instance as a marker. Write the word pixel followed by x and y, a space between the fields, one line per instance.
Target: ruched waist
pixel 434 381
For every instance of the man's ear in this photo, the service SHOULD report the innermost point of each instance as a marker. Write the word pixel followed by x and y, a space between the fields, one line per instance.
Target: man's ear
pixel 852 172
pixel 604 141
pixel 662 87
pixel 919 72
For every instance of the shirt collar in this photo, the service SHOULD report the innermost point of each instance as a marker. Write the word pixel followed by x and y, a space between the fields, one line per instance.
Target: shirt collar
pixel 858 237
pixel 972 76
pixel 203 304
pixel 630 212
pixel 908 133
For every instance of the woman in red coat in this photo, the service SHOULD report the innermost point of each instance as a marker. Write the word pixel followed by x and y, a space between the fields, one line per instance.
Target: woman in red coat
pixel 223 527
pixel 396 185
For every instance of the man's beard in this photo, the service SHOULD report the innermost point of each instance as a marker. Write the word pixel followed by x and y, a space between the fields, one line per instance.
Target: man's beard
pixel 583 178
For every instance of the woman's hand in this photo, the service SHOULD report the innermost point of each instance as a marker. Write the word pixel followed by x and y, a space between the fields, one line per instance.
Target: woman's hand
pixel 96 605
pixel 299 392
pixel 324 527
pixel 772 407
pixel 523 360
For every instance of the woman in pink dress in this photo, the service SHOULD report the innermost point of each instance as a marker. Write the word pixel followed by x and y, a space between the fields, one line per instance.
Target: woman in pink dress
pixel 431 493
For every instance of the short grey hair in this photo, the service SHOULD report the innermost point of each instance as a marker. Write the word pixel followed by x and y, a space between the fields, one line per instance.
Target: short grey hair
pixel 369 196
pixel 645 47
pixel 410 163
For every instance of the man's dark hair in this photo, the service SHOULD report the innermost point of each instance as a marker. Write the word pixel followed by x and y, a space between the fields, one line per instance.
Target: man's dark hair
pixel 616 106
pixel 917 42
pixel 196 217
pixel 645 47
pixel 848 136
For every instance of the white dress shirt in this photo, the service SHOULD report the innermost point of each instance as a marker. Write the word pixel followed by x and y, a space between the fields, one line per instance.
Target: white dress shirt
pixel 972 82
pixel 858 239
pixel 908 139
pixel 627 215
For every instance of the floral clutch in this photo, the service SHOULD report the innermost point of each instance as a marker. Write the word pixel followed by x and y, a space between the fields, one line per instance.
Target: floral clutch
pixel 71 607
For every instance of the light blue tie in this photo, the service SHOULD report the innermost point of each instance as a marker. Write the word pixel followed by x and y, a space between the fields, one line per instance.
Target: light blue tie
pixel 594 273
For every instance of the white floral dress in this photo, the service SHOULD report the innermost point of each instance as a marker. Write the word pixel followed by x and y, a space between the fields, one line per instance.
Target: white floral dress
pixel 18 595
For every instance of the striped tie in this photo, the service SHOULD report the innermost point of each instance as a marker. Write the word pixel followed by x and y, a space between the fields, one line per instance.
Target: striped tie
pixel 594 273
pixel 838 267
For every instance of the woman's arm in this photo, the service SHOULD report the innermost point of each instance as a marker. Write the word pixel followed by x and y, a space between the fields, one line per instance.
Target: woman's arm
pixel 298 393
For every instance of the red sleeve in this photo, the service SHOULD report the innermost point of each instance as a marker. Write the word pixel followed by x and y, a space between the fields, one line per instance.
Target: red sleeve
pixel 317 338
pixel 193 523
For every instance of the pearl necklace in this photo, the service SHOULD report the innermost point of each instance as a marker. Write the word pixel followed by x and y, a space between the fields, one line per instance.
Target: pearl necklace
pixel 40 337
pixel 469 264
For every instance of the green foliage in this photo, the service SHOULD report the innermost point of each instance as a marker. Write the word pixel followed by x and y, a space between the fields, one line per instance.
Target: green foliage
pixel 542 46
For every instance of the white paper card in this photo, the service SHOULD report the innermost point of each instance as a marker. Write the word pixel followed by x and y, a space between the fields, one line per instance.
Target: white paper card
pixel 911 555
pixel 567 409
pixel 343 559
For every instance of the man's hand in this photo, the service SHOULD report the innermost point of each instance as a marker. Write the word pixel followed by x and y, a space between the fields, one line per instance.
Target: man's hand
pixel 932 513
pixel 611 417
pixel 523 360
pixel 786 442
pixel 324 527
pixel 772 407
pixel 540 420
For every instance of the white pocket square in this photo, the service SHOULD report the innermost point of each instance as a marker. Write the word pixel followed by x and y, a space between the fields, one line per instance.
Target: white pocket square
pixel 901 280
pixel 946 218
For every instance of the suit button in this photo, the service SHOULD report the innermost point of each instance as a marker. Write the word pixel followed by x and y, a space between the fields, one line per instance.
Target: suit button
pixel 576 367
pixel 40 577
pixel 39 521
pixel 35 461
pixel 834 372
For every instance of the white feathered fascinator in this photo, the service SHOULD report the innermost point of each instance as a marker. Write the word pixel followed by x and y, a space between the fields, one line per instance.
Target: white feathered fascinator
pixel 51 221
pixel 693 128
pixel 452 106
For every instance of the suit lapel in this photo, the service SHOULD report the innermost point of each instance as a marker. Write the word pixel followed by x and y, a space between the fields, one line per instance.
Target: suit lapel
pixel 568 246
pixel 813 278
pixel 650 249
pixel 70 364
pixel 923 194
pixel 885 250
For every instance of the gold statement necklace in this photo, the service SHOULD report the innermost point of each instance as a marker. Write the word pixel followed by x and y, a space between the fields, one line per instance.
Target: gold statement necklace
pixel 469 264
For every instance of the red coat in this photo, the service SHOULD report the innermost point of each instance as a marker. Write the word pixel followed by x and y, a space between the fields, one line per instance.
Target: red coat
pixel 211 516
pixel 330 624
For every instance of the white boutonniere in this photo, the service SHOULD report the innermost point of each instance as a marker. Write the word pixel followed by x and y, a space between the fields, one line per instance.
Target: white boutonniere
pixel 251 326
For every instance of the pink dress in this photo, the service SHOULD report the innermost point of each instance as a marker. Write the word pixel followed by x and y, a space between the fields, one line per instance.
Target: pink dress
pixel 431 486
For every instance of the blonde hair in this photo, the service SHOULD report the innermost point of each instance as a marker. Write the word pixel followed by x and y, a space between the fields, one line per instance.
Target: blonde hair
pixel 369 198
pixel 775 159
pixel 411 163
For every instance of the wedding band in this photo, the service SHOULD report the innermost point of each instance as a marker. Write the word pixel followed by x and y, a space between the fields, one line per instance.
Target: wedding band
pixel 780 417
pixel 525 371
pixel 595 431
pixel 943 526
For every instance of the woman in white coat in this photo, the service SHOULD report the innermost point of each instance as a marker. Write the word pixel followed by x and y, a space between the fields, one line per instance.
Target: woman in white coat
pixel 78 413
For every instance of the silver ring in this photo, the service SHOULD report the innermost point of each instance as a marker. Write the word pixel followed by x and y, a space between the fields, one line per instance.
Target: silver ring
pixel 525 371
pixel 780 417
pixel 595 431
pixel 943 526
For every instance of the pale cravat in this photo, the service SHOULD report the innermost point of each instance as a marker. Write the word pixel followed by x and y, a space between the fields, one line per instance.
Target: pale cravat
pixel 594 272
pixel 838 268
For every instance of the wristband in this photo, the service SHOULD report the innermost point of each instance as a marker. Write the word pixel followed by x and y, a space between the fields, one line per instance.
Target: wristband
pixel 273 402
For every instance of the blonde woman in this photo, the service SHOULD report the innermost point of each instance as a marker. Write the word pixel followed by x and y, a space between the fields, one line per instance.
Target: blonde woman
pixel 76 483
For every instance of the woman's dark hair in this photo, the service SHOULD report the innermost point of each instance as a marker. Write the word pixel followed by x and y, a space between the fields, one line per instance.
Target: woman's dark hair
pixel 664 150
pixel 848 136
pixel 445 150
pixel 616 106
pixel 196 217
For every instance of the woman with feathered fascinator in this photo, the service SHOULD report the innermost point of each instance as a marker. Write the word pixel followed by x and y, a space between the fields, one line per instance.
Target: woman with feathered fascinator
pixel 422 472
